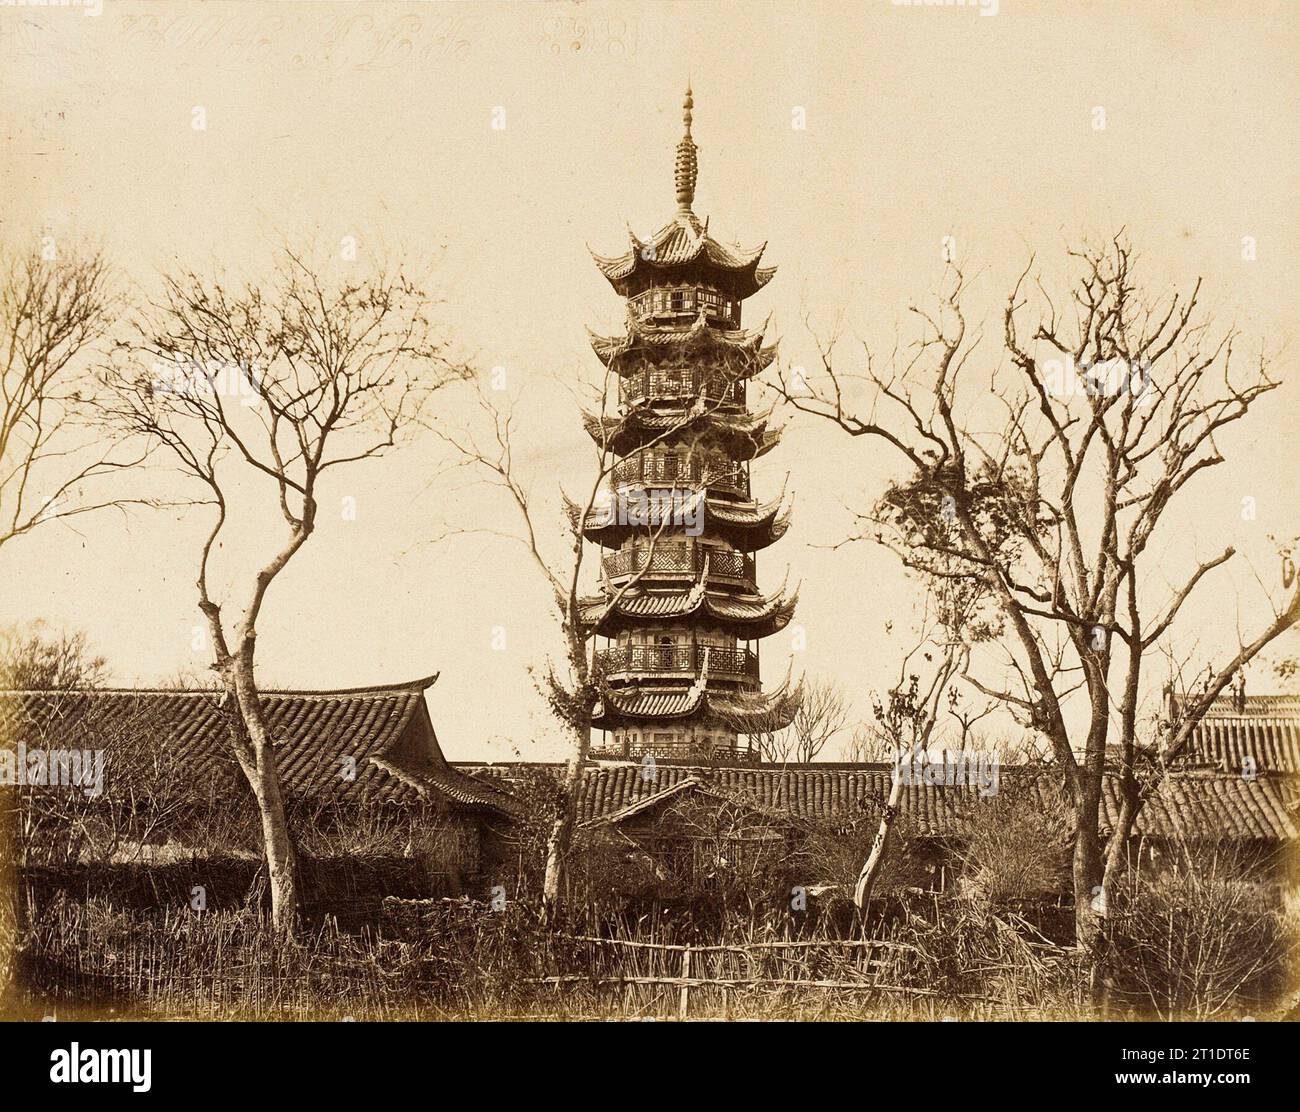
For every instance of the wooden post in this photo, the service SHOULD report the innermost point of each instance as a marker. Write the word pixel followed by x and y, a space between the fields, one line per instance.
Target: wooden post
pixel 684 997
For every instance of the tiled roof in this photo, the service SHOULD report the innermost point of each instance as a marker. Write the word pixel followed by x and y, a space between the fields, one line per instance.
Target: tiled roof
pixel 1208 807
pixel 321 737
pixel 699 335
pixel 751 513
pixel 1252 705
pixel 1266 744
pixel 1193 806
pixel 680 242
pixel 1260 733
pixel 745 435
pixel 745 712
pixel 751 526
pixel 748 615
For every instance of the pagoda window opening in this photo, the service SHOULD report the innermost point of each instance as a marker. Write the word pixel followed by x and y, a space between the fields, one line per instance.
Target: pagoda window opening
pixel 684 299
pixel 715 304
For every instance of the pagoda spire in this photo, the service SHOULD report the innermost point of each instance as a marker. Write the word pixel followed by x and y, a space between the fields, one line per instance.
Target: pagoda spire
pixel 686 165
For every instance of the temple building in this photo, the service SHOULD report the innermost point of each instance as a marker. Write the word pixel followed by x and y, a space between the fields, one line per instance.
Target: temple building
pixel 679 617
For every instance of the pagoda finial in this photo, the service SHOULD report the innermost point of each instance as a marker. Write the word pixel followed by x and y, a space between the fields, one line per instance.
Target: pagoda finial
pixel 687 166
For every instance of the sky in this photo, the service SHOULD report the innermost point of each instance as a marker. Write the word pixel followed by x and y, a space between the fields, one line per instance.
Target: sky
pixel 920 126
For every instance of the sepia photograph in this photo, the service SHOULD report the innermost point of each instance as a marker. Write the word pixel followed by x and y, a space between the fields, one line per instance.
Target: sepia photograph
pixel 769 512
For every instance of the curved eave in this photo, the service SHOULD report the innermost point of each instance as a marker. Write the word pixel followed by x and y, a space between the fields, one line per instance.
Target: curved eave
pixel 744 436
pixel 766 355
pixel 699 335
pixel 755 619
pixel 607 348
pixel 757 713
pixel 631 705
pixel 668 705
pixel 749 617
pixel 740 281
pixel 613 267
pixel 745 713
pixel 685 242
pixel 749 527
pixel 765 442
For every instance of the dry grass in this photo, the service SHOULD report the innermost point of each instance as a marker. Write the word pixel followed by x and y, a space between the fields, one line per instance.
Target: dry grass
pixel 440 959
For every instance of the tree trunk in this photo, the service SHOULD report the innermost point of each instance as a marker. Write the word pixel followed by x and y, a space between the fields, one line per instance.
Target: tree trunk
pixel 1117 850
pixel 1090 895
pixel 281 857
pixel 561 836
pixel 879 846
pixel 557 849
pixel 264 779
pixel 1086 867
pixel 11 915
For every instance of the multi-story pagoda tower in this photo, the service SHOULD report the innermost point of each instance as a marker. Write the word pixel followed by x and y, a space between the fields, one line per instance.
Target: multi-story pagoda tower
pixel 680 615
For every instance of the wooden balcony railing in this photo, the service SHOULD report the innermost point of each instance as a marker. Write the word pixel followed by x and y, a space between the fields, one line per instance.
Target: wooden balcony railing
pixel 680 383
pixel 686 659
pixel 665 469
pixel 682 559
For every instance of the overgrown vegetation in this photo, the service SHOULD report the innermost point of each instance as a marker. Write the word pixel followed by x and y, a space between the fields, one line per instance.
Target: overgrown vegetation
pixel 1205 945
pixel 708 904
pixel 708 919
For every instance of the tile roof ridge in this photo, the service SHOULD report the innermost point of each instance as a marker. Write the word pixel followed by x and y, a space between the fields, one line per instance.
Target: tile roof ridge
pixel 402 774
pixel 410 686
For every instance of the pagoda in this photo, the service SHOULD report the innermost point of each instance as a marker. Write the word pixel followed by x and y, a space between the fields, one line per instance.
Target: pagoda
pixel 679 614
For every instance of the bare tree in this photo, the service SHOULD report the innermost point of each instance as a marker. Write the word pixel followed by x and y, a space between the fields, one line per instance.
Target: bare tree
pixel 35 658
pixel 32 659
pixel 822 716
pixel 574 690
pixel 907 717
pixel 1048 491
pixel 52 688
pixel 271 388
pixel 865 745
pixel 54 313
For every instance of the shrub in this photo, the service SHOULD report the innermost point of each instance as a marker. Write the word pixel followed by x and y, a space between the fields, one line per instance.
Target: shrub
pixel 1198 940
pixel 1015 844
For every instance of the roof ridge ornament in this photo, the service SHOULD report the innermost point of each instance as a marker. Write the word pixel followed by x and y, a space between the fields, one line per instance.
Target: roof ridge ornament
pixel 686 166
pixel 698 588
pixel 701 685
